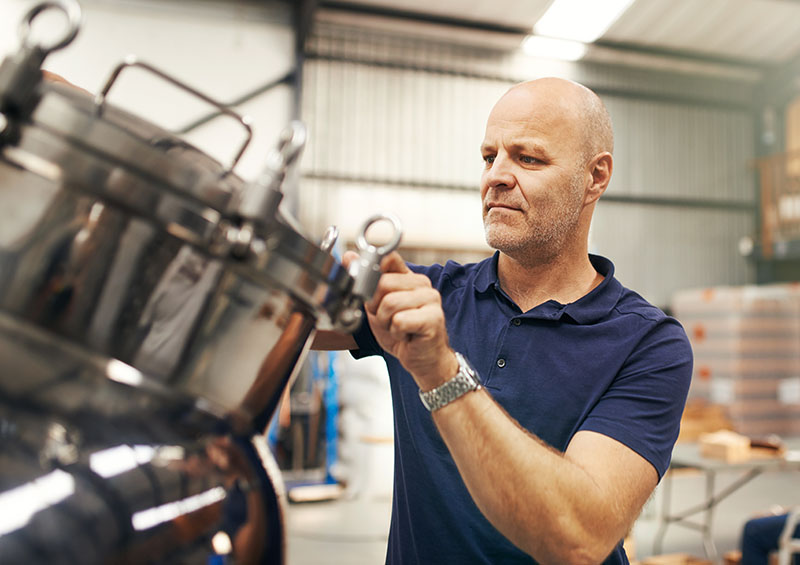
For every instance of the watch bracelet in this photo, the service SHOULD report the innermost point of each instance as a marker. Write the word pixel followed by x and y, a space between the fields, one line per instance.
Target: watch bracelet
pixel 457 387
pixel 453 389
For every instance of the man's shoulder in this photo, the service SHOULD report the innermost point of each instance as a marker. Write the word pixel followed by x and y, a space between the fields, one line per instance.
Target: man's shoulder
pixel 651 320
pixel 631 302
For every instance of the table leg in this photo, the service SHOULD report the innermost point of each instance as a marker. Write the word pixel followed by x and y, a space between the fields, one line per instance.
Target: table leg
pixel 682 518
pixel 708 540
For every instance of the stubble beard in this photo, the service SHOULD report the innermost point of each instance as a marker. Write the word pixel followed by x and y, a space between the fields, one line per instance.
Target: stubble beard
pixel 540 238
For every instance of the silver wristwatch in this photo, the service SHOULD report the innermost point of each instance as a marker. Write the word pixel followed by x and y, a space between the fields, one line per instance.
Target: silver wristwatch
pixel 466 380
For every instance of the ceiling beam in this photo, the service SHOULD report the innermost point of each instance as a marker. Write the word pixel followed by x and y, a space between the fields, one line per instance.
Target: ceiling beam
pixel 781 84
pixel 368 10
pixel 467 24
pixel 683 54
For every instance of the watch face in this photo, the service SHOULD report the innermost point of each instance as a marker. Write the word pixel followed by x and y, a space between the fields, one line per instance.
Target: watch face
pixel 466 368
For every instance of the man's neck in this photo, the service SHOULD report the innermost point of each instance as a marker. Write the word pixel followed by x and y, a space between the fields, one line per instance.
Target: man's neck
pixel 565 279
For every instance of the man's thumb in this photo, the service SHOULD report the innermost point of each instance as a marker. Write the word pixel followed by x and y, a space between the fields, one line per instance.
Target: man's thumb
pixel 348 258
pixel 394 263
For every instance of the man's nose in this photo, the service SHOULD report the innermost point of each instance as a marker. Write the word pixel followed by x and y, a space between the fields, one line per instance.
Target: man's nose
pixel 500 174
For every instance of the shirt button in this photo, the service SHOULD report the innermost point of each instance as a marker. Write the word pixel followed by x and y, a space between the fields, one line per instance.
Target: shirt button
pixel 516 321
pixel 501 362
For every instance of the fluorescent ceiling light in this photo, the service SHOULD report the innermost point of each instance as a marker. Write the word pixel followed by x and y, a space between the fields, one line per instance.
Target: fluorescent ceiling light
pixel 551 48
pixel 580 20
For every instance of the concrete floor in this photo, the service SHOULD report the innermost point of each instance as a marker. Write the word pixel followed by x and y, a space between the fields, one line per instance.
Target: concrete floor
pixel 343 532
pixel 353 530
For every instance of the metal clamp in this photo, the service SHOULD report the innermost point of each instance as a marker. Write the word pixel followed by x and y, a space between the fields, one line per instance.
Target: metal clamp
pixel 131 61
pixel 329 239
pixel 367 249
pixel 70 8
pixel 21 72
pixel 290 145
pixel 262 197
pixel 366 270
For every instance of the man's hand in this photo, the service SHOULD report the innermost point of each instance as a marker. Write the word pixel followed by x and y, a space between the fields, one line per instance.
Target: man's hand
pixel 53 77
pixel 406 317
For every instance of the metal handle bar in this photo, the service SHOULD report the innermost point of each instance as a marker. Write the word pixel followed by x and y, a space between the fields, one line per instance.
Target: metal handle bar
pixel 131 61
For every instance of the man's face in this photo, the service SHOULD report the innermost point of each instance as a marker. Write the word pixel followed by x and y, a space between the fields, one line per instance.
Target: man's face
pixel 534 176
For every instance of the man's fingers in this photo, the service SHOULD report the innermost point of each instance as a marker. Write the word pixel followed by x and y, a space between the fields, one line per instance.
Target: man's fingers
pixel 349 257
pixel 409 299
pixel 422 321
pixel 396 277
pixel 394 263
pixel 385 306
pixel 396 282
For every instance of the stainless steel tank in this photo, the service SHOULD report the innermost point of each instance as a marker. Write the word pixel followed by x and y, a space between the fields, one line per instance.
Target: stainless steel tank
pixel 153 308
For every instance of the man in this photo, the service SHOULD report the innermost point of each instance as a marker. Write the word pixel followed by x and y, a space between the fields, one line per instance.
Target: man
pixel 583 381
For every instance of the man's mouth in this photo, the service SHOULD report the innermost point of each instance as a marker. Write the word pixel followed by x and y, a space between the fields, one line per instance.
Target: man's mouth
pixel 499 205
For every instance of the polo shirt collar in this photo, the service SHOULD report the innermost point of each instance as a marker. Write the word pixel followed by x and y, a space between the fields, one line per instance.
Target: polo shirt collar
pixel 602 299
pixel 587 309
pixel 486 277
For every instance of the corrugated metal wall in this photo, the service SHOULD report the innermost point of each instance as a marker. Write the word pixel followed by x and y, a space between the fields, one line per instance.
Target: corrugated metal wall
pixel 678 150
pixel 395 124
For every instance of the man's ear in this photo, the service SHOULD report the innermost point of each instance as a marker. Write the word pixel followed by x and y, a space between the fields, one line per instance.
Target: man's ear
pixel 600 168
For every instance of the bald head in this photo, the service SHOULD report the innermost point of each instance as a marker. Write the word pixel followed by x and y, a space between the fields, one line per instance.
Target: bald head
pixel 571 101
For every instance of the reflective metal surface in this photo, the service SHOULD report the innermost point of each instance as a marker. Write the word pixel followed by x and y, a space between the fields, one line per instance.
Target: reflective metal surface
pixel 100 465
pixel 132 267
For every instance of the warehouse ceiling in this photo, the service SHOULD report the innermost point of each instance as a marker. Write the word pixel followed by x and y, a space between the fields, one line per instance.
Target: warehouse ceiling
pixel 761 34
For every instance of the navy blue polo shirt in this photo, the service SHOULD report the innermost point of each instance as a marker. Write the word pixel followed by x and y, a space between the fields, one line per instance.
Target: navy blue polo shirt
pixel 610 362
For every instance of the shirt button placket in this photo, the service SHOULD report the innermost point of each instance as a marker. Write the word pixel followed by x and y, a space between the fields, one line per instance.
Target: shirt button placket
pixel 501 361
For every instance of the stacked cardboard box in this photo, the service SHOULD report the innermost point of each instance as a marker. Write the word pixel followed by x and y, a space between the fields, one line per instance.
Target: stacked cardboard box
pixel 700 417
pixel 746 343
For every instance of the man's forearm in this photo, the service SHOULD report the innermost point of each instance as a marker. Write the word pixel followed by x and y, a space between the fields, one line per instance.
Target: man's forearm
pixel 546 504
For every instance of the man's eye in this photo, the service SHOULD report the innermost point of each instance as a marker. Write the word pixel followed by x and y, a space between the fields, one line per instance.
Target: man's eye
pixel 528 160
pixel 488 159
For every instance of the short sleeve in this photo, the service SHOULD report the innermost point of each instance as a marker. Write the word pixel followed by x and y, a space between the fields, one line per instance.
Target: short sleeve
pixel 643 407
